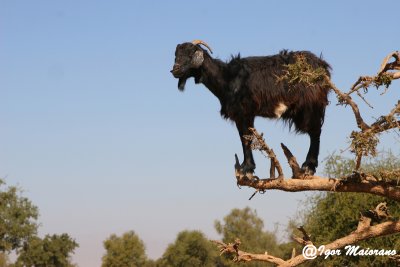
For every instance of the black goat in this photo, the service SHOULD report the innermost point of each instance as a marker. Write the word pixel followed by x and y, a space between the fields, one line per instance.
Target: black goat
pixel 248 87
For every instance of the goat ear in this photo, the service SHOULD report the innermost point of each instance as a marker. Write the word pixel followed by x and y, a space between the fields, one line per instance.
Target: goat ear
pixel 198 58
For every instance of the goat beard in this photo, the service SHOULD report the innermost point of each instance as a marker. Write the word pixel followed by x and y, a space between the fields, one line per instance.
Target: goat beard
pixel 182 80
pixel 181 83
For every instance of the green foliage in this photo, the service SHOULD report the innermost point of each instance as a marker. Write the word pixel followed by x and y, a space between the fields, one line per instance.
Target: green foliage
pixel 364 143
pixel 191 249
pixel 337 167
pixel 52 250
pixel 248 227
pixel 18 229
pixel 125 251
pixel 301 72
pixel 334 215
pixel 385 167
pixel 17 218
pixel 383 79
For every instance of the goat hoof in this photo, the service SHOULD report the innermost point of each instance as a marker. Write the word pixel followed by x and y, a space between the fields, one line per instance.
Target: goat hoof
pixel 247 172
pixel 308 170
pixel 247 168
pixel 248 175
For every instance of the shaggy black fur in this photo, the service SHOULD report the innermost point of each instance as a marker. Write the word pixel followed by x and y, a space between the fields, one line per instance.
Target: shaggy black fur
pixel 248 87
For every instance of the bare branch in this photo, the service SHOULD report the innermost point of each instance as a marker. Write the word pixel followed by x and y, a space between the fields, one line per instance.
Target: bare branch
pixel 346 99
pixel 306 237
pixel 356 182
pixel 395 258
pixel 387 122
pixel 364 231
pixel 296 170
pixel 241 256
pixel 305 240
pixel 383 77
pixel 385 66
pixel 258 142
pixel 293 253
pixel 367 184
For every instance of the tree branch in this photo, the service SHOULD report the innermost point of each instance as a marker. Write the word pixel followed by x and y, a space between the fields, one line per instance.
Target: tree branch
pixel 257 142
pixel 296 170
pixel 385 66
pixel 305 240
pixel 356 182
pixel 364 231
pixel 316 183
pixel 385 123
pixel 346 99
pixel 241 256
pixel 365 141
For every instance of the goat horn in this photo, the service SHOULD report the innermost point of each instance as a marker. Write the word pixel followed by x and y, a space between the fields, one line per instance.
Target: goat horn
pixel 198 42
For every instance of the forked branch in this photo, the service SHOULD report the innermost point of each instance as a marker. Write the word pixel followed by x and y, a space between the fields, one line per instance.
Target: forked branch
pixel 356 182
pixel 365 141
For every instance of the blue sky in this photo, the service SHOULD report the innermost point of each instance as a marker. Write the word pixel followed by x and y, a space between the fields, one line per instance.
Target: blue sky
pixel 96 132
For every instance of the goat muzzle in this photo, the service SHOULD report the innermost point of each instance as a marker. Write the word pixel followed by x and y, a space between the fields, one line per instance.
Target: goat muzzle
pixel 176 71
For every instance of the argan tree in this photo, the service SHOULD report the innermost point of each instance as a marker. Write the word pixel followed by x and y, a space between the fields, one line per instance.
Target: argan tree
pixel 18 234
pixel 372 222
pixel 245 225
pixel 191 248
pixel 52 250
pixel 17 218
pixel 125 250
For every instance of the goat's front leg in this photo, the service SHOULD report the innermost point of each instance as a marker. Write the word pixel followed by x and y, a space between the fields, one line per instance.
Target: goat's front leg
pixel 311 163
pixel 243 126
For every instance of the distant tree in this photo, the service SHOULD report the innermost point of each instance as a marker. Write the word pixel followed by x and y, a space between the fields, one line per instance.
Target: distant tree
pixel 245 225
pixel 191 249
pixel 18 233
pixel 17 218
pixel 54 250
pixel 332 215
pixel 124 251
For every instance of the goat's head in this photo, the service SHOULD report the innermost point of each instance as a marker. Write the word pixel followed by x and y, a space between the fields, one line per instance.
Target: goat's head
pixel 188 59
